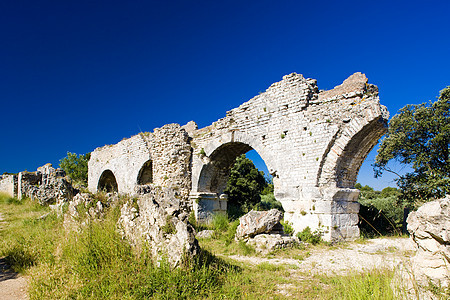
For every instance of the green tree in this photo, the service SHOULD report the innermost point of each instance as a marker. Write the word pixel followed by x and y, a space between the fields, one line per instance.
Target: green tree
pixel 244 187
pixel 76 166
pixel 419 136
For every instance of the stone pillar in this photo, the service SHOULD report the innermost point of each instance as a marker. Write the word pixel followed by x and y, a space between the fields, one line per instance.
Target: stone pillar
pixel 205 205
pixel 19 186
pixel 334 211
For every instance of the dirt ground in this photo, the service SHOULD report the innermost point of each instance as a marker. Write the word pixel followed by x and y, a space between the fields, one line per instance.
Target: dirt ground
pixel 352 257
pixel 12 285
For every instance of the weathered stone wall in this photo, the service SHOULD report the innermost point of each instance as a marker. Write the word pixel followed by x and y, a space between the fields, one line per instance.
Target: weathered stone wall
pixel 161 157
pixel 312 142
pixel 8 185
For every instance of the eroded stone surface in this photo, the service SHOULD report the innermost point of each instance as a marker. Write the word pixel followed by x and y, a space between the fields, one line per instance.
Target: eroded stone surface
pixel 266 243
pixel 156 219
pixel 429 227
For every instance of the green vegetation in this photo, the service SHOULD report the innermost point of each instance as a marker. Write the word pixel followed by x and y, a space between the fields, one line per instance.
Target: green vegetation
pixel 244 186
pixel 76 167
pixel 312 237
pixel 248 189
pixel 96 263
pixel 419 136
pixel 381 213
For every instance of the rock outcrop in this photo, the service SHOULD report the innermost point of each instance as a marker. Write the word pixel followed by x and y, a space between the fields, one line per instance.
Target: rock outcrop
pixel 429 227
pixel 156 219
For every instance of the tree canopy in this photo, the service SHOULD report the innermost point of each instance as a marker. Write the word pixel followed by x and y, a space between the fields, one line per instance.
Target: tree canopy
pixel 76 167
pixel 419 136
pixel 245 185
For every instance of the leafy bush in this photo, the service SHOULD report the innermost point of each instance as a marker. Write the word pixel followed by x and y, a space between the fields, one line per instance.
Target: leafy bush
pixel 76 167
pixel 381 212
pixel 287 228
pixel 268 202
pixel 310 237
pixel 244 187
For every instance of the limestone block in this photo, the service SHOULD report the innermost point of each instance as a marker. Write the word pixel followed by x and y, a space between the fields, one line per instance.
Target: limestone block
pixel 257 222
pixel 336 207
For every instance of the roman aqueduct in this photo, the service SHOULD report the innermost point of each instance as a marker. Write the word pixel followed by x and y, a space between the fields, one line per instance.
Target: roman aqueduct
pixel 313 143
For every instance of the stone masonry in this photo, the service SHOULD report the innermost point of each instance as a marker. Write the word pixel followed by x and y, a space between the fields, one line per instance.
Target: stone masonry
pixel 313 143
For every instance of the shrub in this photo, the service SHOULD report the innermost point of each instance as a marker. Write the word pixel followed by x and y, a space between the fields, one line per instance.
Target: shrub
pixel 310 237
pixel 287 228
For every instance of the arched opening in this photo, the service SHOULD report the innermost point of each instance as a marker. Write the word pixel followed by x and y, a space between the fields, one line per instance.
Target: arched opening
pixel 145 175
pixel 239 177
pixel 107 182
pixel 356 151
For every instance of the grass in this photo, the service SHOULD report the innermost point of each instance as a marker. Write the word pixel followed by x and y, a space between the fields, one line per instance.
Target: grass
pixel 96 263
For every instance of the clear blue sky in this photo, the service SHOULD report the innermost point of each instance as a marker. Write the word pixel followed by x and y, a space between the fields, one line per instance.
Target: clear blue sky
pixel 76 75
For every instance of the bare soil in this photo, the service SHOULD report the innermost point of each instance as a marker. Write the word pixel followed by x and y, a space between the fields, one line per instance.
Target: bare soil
pixel 378 253
pixel 13 286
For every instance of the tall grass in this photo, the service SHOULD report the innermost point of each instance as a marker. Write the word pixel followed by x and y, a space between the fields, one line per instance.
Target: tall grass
pixel 97 263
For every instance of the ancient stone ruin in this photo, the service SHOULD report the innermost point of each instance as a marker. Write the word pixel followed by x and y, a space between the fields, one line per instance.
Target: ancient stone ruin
pixel 47 185
pixel 313 143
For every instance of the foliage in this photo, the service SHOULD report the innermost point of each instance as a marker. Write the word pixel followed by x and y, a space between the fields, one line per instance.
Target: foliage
pixel 287 228
pixel 268 202
pixel 381 213
pixel 307 236
pixel 95 262
pixel 419 136
pixel 76 166
pixel 244 186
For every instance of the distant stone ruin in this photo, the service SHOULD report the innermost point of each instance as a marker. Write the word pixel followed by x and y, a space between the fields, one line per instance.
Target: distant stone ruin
pixel 47 185
pixel 313 143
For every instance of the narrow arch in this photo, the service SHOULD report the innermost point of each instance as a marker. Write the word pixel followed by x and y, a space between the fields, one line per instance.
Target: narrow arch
pixel 107 182
pixel 145 175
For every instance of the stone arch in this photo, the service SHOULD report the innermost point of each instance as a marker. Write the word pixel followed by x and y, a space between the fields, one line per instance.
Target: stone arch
pixel 107 182
pixel 214 175
pixel 344 158
pixel 221 154
pixel 145 175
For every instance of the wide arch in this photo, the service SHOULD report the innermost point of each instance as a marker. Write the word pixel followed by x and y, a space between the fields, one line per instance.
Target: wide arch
pixel 344 158
pixel 214 175
pixel 145 175
pixel 107 182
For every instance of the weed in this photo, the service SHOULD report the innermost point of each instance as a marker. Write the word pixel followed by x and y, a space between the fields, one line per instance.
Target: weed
pixel 287 227
pixel 310 237
pixel 169 227
pixel 220 222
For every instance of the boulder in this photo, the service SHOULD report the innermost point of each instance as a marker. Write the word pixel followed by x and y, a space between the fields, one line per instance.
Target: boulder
pixel 257 222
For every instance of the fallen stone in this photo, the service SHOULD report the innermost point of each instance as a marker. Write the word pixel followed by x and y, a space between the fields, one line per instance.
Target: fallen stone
pixel 205 234
pixel 257 222
pixel 266 243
